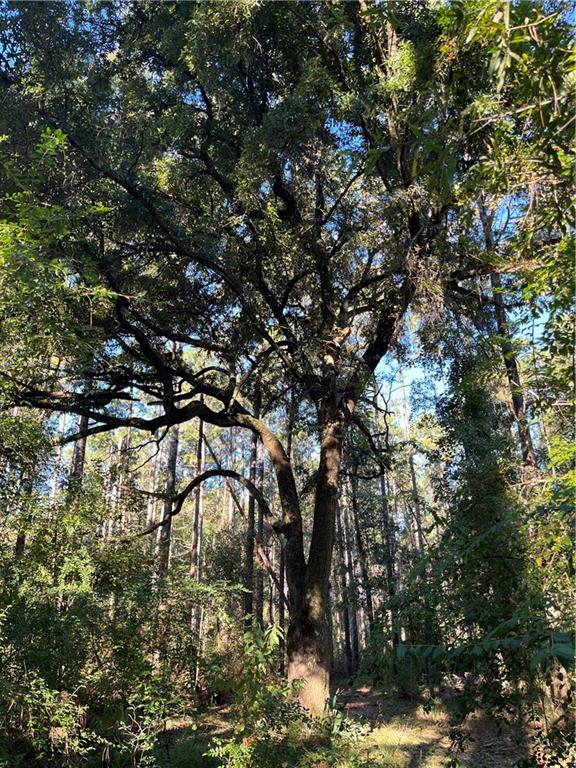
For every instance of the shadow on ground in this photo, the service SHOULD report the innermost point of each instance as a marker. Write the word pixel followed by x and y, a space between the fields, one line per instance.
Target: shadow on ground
pixel 185 746
pixel 403 735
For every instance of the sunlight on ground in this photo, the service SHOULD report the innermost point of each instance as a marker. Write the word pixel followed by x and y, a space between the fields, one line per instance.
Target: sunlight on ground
pixel 421 740
pixel 403 736
pixel 404 743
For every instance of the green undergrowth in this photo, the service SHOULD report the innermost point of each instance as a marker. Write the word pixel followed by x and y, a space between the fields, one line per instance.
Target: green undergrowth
pixel 401 736
pixel 264 727
pixel 398 744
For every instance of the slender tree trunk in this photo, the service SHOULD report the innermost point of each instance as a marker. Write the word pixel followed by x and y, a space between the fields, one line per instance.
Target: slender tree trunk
pixel 253 581
pixel 108 494
pixel 20 544
pixel 271 605
pixel 76 470
pixel 344 592
pixel 124 476
pixel 124 481
pixel 388 537
pixel 415 507
pixel 274 587
pixel 229 491
pixel 79 454
pixel 507 348
pixel 291 418
pixel 197 531
pixel 389 557
pixel 258 549
pixel 352 584
pixel 249 548
pixel 259 585
pixel 282 609
pixel 55 483
pixel 513 374
pixel 165 531
pixel 362 557
pixel 153 487
pixel 163 543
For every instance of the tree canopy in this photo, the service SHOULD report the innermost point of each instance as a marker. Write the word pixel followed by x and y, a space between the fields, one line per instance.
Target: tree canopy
pixel 239 214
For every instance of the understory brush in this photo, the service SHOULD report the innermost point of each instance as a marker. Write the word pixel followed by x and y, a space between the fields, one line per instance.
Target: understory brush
pixel 519 675
pixel 273 731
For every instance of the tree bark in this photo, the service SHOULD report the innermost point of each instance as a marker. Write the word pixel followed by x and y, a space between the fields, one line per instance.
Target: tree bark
pixel 362 556
pixel 20 544
pixel 79 454
pixel 165 530
pixel 250 535
pixel 309 645
pixel 344 592
pixel 507 348
pixel 196 563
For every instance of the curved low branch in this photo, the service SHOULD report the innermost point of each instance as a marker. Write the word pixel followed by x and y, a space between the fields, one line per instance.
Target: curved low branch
pixel 198 480
pixel 260 551
pixel 229 473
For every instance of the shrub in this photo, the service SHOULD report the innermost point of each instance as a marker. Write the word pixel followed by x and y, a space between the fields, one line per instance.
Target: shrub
pixel 273 731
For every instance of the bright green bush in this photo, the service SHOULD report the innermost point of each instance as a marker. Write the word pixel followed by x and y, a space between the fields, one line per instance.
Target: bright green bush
pixel 273 731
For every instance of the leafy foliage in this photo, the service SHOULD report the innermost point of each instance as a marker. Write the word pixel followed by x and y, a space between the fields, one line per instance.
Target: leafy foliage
pixel 256 214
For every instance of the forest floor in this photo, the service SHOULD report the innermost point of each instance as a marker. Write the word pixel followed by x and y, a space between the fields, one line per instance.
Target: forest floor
pixel 406 735
pixel 403 735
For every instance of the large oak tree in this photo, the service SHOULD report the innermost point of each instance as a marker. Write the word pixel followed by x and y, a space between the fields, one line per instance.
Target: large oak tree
pixel 215 200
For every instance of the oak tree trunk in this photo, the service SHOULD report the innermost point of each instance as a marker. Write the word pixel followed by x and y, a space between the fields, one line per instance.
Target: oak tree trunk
pixel 309 644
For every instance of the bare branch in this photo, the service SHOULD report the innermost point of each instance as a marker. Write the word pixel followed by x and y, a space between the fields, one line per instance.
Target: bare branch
pixel 198 480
